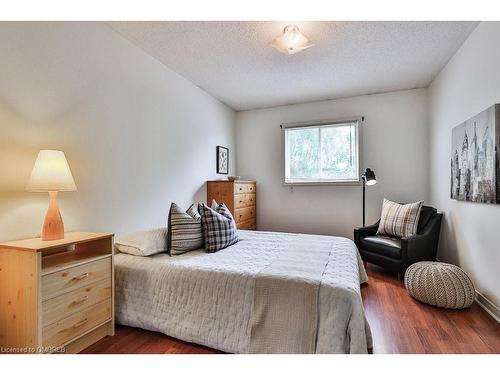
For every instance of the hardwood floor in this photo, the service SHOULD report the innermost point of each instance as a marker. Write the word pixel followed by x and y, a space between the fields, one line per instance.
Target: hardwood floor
pixel 399 324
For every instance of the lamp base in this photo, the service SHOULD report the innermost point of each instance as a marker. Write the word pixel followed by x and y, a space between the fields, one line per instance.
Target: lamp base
pixel 53 226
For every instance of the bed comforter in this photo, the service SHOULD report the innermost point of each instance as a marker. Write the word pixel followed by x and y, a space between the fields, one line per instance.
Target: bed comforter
pixel 208 298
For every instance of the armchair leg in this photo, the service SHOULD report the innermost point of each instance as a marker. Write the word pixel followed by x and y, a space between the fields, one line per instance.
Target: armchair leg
pixel 401 275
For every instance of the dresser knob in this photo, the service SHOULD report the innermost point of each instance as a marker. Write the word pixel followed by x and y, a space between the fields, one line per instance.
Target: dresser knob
pixel 82 276
pixel 80 323
pixel 81 300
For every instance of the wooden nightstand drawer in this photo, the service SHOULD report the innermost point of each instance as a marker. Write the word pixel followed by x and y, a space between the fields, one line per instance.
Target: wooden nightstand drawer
pixel 69 279
pixel 73 326
pixel 244 188
pixel 60 307
pixel 244 214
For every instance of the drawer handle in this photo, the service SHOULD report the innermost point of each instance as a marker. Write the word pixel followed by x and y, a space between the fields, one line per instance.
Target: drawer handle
pixel 241 201
pixel 82 276
pixel 80 323
pixel 241 188
pixel 81 300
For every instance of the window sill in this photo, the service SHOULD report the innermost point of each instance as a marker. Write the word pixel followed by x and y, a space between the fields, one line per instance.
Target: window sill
pixel 323 183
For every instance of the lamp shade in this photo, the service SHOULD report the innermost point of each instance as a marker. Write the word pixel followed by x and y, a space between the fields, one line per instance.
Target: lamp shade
pixel 51 173
pixel 369 177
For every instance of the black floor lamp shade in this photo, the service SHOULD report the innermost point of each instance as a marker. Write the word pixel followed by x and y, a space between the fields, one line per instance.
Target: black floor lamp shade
pixel 369 179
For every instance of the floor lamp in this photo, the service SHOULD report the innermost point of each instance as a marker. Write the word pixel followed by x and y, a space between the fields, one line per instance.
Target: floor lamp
pixel 369 179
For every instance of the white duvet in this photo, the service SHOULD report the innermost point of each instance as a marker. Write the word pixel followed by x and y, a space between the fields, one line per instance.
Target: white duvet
pixel 207 298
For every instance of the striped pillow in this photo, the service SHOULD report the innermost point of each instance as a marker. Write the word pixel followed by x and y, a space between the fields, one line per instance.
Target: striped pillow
pixel 400 220
pixel 219 228
pixel 184 230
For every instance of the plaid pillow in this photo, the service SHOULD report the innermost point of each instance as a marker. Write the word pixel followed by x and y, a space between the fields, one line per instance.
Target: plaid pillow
pixel 400 220
pixel 219 229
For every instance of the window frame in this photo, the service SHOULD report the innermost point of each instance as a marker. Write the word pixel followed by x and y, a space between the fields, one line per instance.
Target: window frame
pixel 323 123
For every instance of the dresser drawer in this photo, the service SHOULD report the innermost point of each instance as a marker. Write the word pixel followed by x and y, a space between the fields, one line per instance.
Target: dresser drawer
pixel 244 200
pixel 247 225
pixel 61 282
pixel 74 325
pixel 69 303
pixel 244 214
pixel 244 188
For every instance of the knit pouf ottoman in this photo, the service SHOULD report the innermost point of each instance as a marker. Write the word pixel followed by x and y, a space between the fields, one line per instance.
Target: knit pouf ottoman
pixel 440 284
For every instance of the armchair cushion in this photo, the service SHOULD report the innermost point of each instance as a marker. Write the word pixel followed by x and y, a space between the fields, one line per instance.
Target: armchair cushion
pixel 383 245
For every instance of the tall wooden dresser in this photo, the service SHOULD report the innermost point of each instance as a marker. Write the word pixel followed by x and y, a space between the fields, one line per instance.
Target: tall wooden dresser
pixel 56 296
pixel 239 196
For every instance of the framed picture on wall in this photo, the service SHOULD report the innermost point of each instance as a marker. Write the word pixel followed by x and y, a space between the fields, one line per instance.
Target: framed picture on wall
pixel 222 160
pixel 475 159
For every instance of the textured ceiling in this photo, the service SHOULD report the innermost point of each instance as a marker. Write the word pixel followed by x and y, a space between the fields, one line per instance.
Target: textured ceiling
pixel 234 62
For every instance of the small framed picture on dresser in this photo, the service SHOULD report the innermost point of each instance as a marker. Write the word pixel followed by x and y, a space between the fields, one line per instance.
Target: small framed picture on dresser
pixel 222 160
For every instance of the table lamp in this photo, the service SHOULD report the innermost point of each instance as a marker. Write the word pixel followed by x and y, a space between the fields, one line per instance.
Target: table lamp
pixel 51 173
pixel 368 179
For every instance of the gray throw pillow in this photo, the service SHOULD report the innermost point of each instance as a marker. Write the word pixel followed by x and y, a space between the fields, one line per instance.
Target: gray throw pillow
pixel 184 230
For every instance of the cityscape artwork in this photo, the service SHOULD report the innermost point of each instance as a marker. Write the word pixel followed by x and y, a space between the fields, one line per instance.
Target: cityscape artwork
pixel 475 165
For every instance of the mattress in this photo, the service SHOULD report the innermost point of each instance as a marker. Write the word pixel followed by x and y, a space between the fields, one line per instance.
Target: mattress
pixel 208 298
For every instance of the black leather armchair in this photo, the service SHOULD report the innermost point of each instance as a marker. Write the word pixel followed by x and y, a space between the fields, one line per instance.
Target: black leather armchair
pixel 397 254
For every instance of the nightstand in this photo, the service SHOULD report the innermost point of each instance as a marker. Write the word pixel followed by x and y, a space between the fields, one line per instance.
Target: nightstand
pixel 56 296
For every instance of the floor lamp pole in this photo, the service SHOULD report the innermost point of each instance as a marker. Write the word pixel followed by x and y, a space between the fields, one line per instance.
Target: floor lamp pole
pixel 364 186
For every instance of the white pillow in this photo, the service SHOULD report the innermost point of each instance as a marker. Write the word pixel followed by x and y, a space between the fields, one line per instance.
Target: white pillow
pixel 143 243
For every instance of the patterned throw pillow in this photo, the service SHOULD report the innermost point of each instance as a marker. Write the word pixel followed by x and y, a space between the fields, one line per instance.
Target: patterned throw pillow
pixel 184 230
pixel 219 228
pixel 218 207
pixel 400 220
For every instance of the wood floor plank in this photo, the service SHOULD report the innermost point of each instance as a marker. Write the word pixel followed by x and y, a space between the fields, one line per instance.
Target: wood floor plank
pixel 399 324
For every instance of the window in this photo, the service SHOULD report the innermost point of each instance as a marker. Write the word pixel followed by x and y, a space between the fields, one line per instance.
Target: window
pixel 321 153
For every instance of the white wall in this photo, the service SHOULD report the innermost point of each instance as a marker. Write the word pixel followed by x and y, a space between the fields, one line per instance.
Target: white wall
pixel 395 146
pixel 467 85
pixel 136 134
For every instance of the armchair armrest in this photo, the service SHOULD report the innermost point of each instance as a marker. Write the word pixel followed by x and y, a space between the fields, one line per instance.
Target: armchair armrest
pixel 361 232
pixel 423 246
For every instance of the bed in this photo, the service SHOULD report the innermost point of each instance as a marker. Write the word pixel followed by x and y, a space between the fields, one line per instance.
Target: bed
pixel 208 298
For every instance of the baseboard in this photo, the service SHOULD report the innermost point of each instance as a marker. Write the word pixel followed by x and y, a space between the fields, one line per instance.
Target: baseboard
pixel 488 306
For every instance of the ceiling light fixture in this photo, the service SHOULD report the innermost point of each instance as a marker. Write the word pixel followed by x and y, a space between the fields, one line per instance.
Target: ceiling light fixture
pixel 291 41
